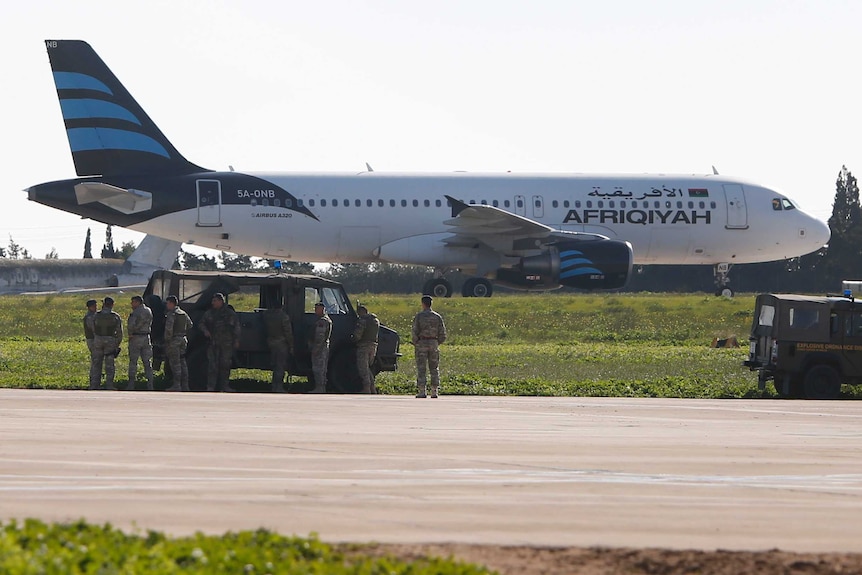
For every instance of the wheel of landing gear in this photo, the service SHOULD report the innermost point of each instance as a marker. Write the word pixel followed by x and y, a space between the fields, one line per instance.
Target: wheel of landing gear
pixel 438 287
pixel 724 291
pixel 477 287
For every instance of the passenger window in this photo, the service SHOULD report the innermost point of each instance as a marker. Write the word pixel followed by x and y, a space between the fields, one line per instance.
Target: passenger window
pixel 358 203
pixel 380 203
pixel 611 204
pixel 506 203
pixel 369 203
pixel 702 205
pixel 427 203
pixel 403 203
pixel 520 203
pixel 589 203
pixel 566 203
pixel 691 205
pixel 712 205
pixel 322 203
pixel 276 202
pixel 311 203
pixel 334 203
pixel 415 203
pixel 438 203
pixel 495 203
pixel 679 205
pixel 391 203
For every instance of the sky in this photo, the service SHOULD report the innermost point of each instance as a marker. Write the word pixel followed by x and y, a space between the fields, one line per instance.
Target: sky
pixel 760 89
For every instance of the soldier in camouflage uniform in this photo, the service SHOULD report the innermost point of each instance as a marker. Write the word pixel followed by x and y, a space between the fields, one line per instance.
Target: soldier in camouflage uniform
pixel 428 333
pixel 279 337
pixel 139 325
pixel 177 325
pixel 365 336
pixel 319 344
pixel 89 336
pixel 108 327
pixel 220 326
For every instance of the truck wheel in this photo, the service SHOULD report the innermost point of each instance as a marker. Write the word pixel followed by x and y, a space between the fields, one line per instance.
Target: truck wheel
pixel 822 382
pixel 788 387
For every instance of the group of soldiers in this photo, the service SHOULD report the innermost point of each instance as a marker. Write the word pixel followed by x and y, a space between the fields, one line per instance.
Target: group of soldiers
pixel 220 324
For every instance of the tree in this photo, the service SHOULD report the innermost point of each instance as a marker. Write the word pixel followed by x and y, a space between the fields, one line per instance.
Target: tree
pixel 108 251
pixel 238 263
pixel 88 247
pixel 16 252
pixel 194 262
pixel 126 250
pixel 844 253
pixel 52 255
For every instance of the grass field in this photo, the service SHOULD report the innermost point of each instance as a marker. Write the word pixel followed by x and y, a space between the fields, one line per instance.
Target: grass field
pixel 633 345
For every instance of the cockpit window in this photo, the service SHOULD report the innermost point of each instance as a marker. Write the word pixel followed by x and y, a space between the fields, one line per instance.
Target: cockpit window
pixel 779 204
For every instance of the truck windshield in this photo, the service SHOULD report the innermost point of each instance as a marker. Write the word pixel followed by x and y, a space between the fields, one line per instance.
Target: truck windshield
pixel 333 300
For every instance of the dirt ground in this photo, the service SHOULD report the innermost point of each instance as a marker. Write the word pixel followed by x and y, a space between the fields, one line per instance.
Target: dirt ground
pixel 594 560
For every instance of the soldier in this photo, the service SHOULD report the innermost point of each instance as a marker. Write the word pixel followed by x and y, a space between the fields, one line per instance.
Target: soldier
pixel 108 327
pixel 365 336
pixel 428 333
pixel 139 325
pixel 319 344
pixel 89 336
pixel 220 326
pixel 279 337
pixel 177 325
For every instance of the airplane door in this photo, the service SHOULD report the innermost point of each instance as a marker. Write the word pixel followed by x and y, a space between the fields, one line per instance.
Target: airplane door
pixel 209 203
pixel 737 211
pixel 538 207
pixel 520 205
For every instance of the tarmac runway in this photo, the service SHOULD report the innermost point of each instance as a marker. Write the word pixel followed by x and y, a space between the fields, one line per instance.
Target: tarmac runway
pixel 707 474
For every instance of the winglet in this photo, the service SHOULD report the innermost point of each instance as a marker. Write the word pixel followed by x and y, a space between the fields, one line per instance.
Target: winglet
pixel 457 206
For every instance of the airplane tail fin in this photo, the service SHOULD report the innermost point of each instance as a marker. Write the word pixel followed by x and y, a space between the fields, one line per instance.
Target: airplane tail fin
pixel 109 133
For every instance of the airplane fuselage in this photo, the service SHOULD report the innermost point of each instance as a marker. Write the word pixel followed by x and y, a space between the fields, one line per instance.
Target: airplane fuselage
pixel 367 217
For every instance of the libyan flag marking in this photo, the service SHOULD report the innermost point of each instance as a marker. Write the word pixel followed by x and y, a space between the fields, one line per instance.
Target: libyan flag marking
pixel 698 193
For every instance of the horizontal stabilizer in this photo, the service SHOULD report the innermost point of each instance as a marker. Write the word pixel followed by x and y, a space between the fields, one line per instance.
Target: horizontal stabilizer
pixel 123 200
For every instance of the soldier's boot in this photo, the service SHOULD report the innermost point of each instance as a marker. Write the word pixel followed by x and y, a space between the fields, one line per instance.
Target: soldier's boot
pixel 184 386
pixel 421 392
pixel 174 387
pixel 434 391
pixel 130 386
pixel 109 385
pixel 150 385
pixel 278 387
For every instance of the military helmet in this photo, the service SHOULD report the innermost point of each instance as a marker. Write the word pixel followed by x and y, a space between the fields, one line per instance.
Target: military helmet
pixel 218 295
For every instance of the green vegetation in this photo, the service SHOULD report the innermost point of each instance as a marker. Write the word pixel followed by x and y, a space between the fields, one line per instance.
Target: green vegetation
pixel 77 548
pixel 631 345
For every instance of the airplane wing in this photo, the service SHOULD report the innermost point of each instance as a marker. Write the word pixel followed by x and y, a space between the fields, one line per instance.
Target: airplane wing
pixel 123 200
pixel 505 232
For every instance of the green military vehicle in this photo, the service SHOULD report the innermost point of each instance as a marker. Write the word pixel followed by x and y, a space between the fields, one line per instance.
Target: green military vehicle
pixel 808 346
pixel 251 294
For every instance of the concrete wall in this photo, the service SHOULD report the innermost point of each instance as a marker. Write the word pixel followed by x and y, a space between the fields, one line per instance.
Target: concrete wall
pixel 19 276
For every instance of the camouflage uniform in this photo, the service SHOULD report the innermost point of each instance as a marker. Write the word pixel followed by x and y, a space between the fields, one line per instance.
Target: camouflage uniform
pixel 428 333
pixel 90 335
pixel 177 325
pixel 279 337
pixel 139 325
pixel 320 351
pixel 108 327
pixel 365 336
pixel 224 332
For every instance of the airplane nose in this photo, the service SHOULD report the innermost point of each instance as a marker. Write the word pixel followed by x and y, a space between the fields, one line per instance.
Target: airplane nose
pixel 817 233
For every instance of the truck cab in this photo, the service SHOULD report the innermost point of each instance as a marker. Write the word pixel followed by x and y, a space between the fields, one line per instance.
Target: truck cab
pixel 808 346
pixel 259 292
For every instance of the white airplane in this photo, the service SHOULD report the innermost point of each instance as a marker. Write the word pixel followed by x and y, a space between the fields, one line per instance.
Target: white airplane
pixel 528 231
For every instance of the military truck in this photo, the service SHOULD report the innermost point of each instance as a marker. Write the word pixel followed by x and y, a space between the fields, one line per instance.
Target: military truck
pixel 808 346
pixel 297 293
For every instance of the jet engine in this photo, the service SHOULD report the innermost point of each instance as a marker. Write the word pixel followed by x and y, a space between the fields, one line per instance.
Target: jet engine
pixel 588 265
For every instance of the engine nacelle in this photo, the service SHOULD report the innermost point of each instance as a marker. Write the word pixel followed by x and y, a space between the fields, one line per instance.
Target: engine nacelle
pixel 589 265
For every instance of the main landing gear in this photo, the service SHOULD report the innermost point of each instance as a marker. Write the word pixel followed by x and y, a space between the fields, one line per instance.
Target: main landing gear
pixel 473 287
pixel 722 281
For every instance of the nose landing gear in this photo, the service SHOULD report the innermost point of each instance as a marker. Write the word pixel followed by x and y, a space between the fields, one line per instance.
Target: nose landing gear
pixel 722 281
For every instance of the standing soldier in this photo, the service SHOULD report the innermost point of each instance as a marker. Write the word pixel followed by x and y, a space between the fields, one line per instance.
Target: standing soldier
pixel 220 325
pixel 89 335
pixel 428 333
pixel 279 336
pixel 108 327
pixel 139 325
pixel 177 325
pixel 320 347
pixel 365 336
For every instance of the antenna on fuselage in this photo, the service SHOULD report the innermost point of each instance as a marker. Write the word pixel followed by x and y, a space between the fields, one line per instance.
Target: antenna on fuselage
pixel 367 165
pixel 714 171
